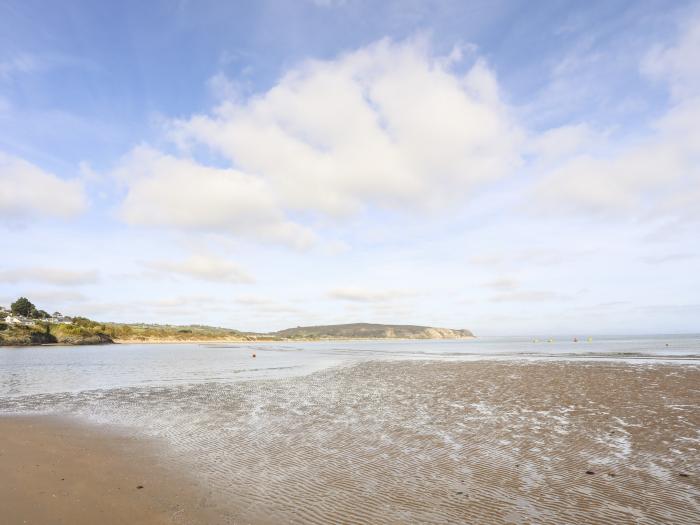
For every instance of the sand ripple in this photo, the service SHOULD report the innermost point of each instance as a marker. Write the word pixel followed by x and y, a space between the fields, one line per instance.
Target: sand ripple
pixel 430 442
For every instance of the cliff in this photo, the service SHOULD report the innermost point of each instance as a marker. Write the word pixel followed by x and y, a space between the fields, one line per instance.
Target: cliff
pixel 371 331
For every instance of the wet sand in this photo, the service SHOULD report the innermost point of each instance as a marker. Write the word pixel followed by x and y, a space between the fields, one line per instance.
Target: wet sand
pixel 57 471
pixel 487 442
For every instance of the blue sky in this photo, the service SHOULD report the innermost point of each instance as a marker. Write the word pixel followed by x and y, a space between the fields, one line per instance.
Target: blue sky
pixel 508 167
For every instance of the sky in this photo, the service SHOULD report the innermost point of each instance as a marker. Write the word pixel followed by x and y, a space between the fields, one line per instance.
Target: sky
pixel 509 167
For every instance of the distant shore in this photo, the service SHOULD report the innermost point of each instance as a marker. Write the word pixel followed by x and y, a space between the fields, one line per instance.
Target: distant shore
pixel 83 331
pixel 280 340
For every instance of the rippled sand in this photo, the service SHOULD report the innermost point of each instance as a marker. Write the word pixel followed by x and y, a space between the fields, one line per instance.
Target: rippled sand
pixel 430 442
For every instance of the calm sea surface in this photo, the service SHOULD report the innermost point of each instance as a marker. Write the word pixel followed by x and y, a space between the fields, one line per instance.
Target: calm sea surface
pixel 44 370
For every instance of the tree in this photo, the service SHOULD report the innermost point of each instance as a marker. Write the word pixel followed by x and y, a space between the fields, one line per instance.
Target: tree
pixel 22 306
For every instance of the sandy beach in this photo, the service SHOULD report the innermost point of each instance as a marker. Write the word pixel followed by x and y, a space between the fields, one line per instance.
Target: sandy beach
pixel 378 442
pixel 59 471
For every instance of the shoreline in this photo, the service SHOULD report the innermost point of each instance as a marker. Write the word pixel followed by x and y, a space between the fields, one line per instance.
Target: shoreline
pixel 376 442
pixel 247 341
pixel 64 470
pixel 297 340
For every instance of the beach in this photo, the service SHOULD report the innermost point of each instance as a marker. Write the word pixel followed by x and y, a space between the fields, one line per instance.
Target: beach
pixel 401 442
pixel 62 471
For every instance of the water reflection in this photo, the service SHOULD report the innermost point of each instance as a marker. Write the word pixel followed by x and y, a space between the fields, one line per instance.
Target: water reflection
pixel 72 369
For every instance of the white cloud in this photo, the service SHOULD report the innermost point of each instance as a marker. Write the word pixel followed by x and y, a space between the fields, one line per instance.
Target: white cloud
pixel 658 174
pixel 329 3
pixel 561 142
pixel 676 65
pixel 388 125
pixel 205 267
pixel 666 258
pixel 27 191
pixel 502 284
pixel 530 296
pixel 361 295
pixel 172 192
pixel 266 305
pixel 49 276
pixel 19 64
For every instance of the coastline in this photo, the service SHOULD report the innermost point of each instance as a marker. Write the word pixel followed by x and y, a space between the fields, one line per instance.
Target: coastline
pixel 288 340
pixel 247 341
pixel 59 470
pixel 379 442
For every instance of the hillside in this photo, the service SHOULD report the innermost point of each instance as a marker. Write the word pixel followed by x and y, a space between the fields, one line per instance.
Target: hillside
pixel 25 324
pixel 80 332
pixel 371 331
pixel 154 333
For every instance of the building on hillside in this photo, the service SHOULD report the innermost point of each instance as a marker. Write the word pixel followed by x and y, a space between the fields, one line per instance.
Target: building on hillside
pixel 18 320
pixel 58 318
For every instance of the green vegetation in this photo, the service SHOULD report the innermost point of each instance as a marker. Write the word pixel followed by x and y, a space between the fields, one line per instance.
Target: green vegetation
pixel 40 328
pixel 25 308
pixel 22 306
pixel 44 333
pixel 26 335
pixel 36 328
pixel 154 332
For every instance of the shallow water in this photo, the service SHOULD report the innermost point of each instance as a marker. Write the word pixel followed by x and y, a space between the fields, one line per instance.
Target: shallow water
pixel 34 370
pixel 478 431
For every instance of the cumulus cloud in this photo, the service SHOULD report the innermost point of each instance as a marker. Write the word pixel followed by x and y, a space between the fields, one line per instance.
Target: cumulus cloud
pixel 28 191
pixel 204 267
pixel 167 191
pixel 390 125
pixel 49 276
pixel 360 295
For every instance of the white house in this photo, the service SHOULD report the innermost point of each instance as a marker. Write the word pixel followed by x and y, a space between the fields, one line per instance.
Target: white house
pixel 15 319
pixel 60 319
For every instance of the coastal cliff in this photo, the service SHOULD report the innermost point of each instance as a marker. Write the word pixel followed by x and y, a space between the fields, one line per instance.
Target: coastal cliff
pixel 371 331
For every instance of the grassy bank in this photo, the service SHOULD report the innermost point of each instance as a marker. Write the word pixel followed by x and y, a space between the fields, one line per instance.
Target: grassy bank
pixel 81 332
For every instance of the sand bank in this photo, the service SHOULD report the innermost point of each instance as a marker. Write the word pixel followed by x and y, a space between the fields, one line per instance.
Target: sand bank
pixel 486 442
pixel 56 471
